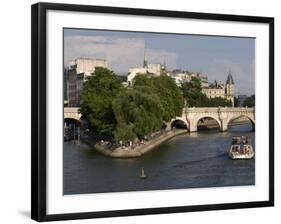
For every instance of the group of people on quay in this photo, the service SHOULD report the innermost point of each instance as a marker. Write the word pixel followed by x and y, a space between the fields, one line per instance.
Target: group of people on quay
pixel 130 145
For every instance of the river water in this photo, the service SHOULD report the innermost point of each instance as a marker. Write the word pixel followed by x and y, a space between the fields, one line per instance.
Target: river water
pixel 196 160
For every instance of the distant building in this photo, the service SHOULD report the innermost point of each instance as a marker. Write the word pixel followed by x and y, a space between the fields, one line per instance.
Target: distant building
pixel 133 72
pixel 149 69
pixel 88 65
pixel 218 89
pixel 65 84
pixel 203 79
pixel 77 73
pixel 181 76
pixel 229 89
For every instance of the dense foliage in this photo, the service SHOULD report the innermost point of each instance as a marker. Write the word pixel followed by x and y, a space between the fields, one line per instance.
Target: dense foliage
pixel 249 102
pixel 100 89
pixel 138 114
pixel 141 110
pixel 133 112
pixel 166 89
pixel 192 92
pixel 218 102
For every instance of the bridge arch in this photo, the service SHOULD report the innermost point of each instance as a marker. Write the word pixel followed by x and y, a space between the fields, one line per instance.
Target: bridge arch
pixel 249 118
pixel 182 123
pixel 72 112
pixel 209 117
pixel 70 120
pixel 72 128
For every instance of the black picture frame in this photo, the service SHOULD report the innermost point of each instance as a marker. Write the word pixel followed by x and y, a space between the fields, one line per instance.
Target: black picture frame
pixel 38 110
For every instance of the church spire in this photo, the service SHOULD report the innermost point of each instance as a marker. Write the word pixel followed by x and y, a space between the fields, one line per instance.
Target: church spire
pixel 229 78
pixel 144 58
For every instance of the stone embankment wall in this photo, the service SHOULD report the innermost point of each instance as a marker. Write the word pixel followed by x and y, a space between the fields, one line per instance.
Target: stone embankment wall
pixel 138 150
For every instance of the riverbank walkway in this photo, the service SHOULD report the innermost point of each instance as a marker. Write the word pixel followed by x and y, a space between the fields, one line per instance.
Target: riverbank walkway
pixel 137 150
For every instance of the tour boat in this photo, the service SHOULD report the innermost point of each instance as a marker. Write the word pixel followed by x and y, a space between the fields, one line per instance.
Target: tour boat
pixel 142 175
pixel 241 149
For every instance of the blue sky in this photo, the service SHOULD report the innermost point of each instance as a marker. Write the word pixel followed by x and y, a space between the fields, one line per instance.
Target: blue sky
pixel 213 56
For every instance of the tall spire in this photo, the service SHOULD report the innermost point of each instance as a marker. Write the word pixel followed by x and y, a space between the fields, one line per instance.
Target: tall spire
pixel 144 58
pixel 229 78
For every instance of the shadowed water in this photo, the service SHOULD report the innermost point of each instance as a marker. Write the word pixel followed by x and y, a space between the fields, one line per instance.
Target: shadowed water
pixel 186 161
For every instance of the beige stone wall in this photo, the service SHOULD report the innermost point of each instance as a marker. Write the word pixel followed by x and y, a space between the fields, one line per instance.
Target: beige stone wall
pixel 212 93
pixel 87 65
pixel 84 67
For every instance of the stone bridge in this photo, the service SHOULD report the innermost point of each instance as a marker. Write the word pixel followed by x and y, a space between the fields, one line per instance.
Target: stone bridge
pixel 192 115
pixel 72 113
pixel 223 115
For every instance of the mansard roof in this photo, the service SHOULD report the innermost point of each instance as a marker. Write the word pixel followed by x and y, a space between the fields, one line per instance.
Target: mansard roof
pixel 216 85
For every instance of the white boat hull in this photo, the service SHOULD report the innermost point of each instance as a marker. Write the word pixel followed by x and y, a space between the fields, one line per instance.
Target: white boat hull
pixel 236 155
pixel 247 153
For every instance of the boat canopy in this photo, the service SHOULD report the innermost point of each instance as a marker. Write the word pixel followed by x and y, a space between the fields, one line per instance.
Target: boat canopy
pixel 236 140
pixel 246 140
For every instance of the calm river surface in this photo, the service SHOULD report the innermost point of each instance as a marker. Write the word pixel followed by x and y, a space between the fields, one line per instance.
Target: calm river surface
pixel 186 161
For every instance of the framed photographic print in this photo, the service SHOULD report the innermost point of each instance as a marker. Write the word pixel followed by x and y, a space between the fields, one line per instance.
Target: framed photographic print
pixel 139 111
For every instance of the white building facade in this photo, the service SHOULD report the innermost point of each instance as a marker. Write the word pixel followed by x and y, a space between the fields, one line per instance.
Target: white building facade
pixel 181 77
pixel 77 73
pixel 149 69
pixel 218 89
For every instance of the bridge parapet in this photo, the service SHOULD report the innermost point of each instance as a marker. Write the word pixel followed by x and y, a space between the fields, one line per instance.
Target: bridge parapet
pixel 237 109
pixel 200 109
pixel 71 109
pixel 217 109
pixel 72 112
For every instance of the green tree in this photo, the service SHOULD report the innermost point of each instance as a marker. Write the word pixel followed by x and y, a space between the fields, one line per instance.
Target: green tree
pixel 192 93
pixel 166 89
pixel 143 80
pixel 124 132
pixel 133 112
pixel 219 102
pixel 249 102
pixel 100 89
pixel 137 113
pixel 170 96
